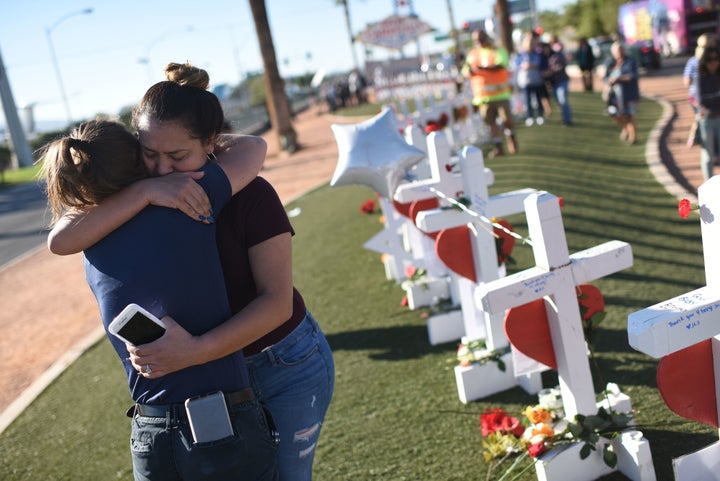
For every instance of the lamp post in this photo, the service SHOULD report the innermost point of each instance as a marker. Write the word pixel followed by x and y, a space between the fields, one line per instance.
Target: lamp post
pixel 48 32
pixel 146 59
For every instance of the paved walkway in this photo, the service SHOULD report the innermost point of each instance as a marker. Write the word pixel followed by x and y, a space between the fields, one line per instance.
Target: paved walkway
pixel 52 307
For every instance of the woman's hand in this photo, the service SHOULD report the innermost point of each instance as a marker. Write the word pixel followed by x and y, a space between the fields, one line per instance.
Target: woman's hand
pixel 175 350
pixel 179 190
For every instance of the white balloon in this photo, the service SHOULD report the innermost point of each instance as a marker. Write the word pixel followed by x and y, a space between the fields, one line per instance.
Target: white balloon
pixel 373 153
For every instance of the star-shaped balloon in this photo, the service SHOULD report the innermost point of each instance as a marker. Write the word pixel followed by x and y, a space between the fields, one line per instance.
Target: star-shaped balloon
pixel 373 153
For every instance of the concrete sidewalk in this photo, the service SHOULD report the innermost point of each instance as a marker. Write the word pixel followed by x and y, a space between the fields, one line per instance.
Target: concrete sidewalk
pixel 679 164
pixel 49 316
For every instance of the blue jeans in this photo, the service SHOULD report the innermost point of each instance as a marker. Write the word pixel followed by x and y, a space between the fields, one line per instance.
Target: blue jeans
pixel 533 100
pixel 560 90
pixel 710 134
pixel 295 379
pixel 163 450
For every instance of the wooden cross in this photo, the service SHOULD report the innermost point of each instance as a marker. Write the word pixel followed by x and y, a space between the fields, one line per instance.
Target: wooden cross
pixel 690 321
pixel 554 278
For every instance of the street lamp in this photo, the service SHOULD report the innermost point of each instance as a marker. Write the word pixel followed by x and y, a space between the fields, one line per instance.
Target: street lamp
pixel 146 59
pixel 48 32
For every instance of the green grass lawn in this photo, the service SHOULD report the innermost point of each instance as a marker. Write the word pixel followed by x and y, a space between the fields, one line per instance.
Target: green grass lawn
pixel 395 413
pixel 19 176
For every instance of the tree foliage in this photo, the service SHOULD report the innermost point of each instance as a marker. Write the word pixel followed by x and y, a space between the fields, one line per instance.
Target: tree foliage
pixel 593 17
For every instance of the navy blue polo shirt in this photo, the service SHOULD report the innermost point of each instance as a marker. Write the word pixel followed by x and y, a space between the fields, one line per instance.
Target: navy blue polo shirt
pixel 168 263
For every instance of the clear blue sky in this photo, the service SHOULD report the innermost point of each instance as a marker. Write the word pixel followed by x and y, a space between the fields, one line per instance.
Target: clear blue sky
pixel 99 53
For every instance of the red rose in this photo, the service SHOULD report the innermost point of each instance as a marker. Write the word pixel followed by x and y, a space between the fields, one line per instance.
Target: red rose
pixel 444 119
pixel 432 126
pixel 404 302
pixel 537 449
pixel 368 207
pixel 448 167
pixel 562 202
pixel 684 208
pixel 496 419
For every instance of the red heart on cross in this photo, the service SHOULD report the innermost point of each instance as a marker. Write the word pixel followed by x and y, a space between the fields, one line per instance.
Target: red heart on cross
pixel 527 328
pixel 687 383
pixel 402 208
pixel 420 205
pixel 454 248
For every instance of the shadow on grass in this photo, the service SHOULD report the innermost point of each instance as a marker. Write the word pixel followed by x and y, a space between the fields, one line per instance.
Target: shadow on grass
pixel 399 343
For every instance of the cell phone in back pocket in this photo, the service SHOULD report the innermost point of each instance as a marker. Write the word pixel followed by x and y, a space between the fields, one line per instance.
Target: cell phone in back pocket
pixel 209 417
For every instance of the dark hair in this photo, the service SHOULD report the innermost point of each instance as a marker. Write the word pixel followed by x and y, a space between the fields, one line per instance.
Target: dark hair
pixel 97 159
pixel 705 57
pixel 183 98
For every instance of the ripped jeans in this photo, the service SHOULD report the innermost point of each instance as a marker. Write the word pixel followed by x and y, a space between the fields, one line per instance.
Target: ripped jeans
pixel 295 379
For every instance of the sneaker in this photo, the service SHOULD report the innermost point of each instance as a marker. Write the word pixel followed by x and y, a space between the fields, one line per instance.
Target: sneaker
pixel 529 121
pixel 540 121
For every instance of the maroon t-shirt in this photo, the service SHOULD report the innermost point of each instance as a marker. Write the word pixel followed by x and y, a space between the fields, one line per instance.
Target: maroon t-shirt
pixel 253 215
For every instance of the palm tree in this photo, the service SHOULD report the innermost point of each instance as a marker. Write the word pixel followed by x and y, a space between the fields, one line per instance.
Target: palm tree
pixel 502 12
pixel 344 4
pixel 278 105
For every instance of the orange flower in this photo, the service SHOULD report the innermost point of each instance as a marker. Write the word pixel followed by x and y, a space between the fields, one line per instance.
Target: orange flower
pixel 537 414
pixel 543 430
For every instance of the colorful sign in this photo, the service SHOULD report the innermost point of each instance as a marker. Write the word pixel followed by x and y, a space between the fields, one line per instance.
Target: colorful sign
pixel 661 22
pixel 394 32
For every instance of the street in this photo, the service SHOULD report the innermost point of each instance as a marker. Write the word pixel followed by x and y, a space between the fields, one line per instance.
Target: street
pixel 24 217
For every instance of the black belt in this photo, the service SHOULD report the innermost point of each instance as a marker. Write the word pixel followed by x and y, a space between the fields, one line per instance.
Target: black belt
pixel 162 410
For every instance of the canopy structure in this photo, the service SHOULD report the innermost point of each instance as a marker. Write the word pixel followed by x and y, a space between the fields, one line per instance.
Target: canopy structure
pixel 394 32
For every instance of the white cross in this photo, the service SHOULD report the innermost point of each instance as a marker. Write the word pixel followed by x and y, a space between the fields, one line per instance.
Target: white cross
pixel 475 187
pixel 554 278
pixel 439 155
pixel 389 241
pixel 688 319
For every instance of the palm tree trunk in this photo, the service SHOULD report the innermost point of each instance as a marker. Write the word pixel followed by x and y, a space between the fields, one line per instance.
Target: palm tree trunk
pixel 502 11
pixel 278 105
pixel 344 3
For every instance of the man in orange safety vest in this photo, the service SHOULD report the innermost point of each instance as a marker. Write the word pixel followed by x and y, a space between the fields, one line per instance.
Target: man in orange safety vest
pixel 487 68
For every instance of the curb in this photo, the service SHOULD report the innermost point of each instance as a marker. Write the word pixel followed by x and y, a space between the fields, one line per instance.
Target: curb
pixel 654 158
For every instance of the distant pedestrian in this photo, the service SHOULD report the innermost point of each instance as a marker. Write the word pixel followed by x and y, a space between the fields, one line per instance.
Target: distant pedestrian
pixel 487 68
pixel 530 79
pixel 357 85
pixel 621 78
pixel 689 77
pixel 586 61
pixel 707 90
pixel 558 78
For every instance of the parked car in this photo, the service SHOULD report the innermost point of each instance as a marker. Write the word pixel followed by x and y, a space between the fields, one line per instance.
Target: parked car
pixel 645 54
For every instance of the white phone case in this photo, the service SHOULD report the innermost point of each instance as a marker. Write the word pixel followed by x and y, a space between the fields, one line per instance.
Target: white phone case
pixel 136 325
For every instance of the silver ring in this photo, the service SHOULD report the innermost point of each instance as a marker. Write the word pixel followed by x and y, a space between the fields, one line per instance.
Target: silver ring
pixel 148 369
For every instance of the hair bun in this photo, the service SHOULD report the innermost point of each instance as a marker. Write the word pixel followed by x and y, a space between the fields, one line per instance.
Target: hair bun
pixel 187 74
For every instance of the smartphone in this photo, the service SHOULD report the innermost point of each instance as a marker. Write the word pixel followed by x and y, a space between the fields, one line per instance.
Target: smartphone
pixel 136 326
pixel 209 418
